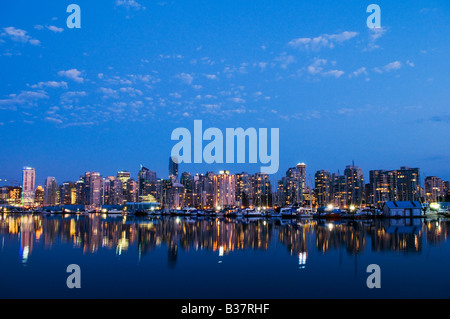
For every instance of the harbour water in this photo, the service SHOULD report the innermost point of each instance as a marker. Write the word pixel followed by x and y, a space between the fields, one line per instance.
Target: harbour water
pixel 183 258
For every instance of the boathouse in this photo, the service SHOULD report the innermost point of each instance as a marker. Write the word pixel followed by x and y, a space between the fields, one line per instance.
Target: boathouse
pixel 402 209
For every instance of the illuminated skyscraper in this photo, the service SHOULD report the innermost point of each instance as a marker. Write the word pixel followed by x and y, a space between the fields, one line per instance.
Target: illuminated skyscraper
pixel 434 189
pixel 51 192
pixel 146 185
pixel 93 189
pixel 225 189
pixel 322 187
pixel 28 186
pixel 262 190
pixel 39 196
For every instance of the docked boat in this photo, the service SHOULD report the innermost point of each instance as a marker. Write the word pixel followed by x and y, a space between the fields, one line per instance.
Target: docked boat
pixel 115 212
pixel 288 212
pixel 190 211
pixel 251 213
pixel 305 212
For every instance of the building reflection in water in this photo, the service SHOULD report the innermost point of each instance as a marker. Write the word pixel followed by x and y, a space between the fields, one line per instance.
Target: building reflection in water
pixel 222 236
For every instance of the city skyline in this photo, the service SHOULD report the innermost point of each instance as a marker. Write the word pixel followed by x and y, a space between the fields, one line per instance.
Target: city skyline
pixel 107 96
pixel 227 189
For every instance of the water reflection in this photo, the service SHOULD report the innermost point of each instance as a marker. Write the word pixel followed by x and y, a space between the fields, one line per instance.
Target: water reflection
pixel 222 236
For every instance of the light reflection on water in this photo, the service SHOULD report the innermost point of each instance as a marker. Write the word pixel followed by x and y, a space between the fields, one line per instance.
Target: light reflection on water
pixel 296 239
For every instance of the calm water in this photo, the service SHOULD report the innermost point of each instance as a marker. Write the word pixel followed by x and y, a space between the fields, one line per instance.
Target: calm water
pixel 126 257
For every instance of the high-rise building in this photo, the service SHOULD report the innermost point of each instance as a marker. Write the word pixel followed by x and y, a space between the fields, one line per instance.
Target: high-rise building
pixel 408 184
pixel 67 193
pixel 51 192
pixel 394 185
pixel 354 186
pixel 382 187
pixel 28 186
pixel 80 191
pixel 93 189
pixel 322 188
pixel 173 168
pixel 113 191
pixel 11 195
pixel 131 191
pixel 125 177
pixel 292 187
pixel 225 189
pixel 338 190
pixel 262 190
pixel 244 193
pixel 146 185
pixel 434 189
pixel 39 196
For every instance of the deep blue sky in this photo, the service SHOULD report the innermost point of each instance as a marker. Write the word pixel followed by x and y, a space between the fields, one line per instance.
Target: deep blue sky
pixel 106 97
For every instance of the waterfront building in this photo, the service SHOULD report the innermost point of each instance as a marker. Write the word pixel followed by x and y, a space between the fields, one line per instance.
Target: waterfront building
pixel 225 190
pixel 51 192
pixel 338 190
pixel 93 189
pixel 322 187
pixel 292 187
pixel 125 178
pixel 402 209
pixel 354 187
pixel 188 183
pixel 80 193
pixel 394 185
pixel 261 190
pixel 146 185
pixel 11 195
pixel 434 189
pixel 408 184
pixel 28 186
pixel 67 193
pixel 39 196
pixel 244 193
pixel 113 191
pixel 131 191
pixel 382 187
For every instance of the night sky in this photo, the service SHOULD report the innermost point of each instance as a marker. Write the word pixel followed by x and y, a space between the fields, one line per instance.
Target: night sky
pixel 106 97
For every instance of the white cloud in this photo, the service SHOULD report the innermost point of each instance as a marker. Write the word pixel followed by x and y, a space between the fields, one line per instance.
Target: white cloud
pixel 175 95
pixel 389 67
pixel 72 74
pixel 55 29
pixel 317 68
pixel 322 41
pixel 23 98
pixel 374 35
pixel 108 92
pixel 237 100
pixel 284 59
pixel 19 35
pixel 131 91
pixel 129 4
pixel 335 73
pixel 358 72
pixel 186 78
pixel 54 120
pixel 50 84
